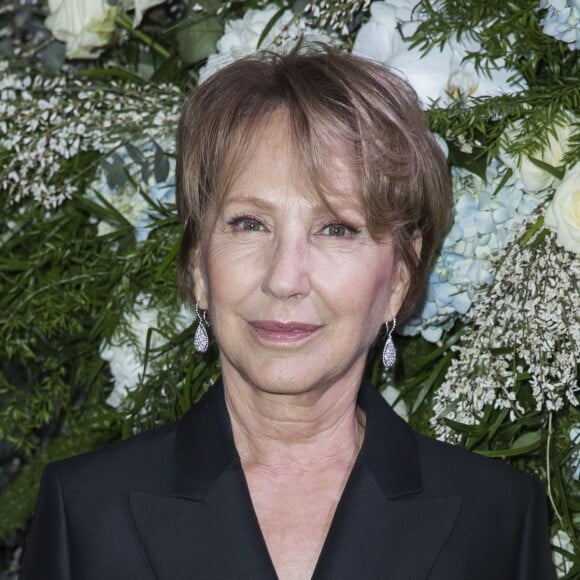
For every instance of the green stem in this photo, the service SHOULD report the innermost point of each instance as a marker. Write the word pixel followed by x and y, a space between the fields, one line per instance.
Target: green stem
pixel 125 22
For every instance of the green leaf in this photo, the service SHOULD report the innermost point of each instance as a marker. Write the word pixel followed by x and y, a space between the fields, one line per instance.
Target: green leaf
pixel 523 445
pixel 161 165
pixel 533 229
pixel 116 173
pixel 437 373
pixel 557 172
pixel 270 25
pixel 198 40
pixel 135 153
pixel 168 70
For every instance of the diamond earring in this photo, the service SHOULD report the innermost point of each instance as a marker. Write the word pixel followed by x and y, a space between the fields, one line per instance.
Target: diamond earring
pixel 201 338
pixel 389 352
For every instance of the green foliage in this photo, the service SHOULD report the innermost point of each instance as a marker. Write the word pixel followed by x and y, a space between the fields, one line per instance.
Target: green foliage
pixel 90 431
pixel 510 35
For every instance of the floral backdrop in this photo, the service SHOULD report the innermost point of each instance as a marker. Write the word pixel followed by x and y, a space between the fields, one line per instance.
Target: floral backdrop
pixel 95 344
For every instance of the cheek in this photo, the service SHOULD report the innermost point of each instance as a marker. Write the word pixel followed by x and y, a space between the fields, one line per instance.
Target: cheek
pixel 360 285
pixel 232 269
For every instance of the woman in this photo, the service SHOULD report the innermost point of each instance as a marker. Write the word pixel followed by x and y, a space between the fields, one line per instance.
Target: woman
pixel 313 197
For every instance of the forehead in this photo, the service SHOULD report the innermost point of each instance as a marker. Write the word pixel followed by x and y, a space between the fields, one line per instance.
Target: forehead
pixel 273 155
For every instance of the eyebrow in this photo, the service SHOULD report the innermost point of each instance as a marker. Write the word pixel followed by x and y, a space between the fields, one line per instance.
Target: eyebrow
pixel 322 208
pixel 250 200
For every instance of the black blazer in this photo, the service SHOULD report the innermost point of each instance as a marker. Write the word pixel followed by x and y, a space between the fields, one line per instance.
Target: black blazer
pixel 173 504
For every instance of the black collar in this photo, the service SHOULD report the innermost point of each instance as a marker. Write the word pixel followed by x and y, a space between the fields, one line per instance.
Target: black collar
pixel 205 445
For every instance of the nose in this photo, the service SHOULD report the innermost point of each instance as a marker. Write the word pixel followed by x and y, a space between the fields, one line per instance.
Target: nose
pixel 288 271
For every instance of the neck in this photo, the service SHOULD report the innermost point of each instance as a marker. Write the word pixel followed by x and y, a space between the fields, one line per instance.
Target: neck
pixel 295 433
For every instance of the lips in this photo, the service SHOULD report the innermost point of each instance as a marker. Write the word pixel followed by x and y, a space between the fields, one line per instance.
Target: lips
pixel 283 332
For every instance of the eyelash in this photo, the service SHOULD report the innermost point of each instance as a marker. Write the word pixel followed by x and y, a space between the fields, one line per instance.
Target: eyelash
pixel 350 229
pixel 237 221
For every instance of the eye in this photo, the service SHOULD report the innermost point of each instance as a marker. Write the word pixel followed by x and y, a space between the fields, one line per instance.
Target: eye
pixel 246 224
pixel 340 230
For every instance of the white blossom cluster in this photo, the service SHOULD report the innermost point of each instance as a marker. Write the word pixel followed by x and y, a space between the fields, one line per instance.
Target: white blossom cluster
pixel 575 459
pixel 138 334
pixel 486 216
pixel 335 15
pixel 242 37
pixel 562 21
pixel 142 186
pixel 525 335
pixel 45 122
pixel 445 73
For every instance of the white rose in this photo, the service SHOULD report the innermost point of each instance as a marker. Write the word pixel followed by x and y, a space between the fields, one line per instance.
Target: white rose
pixel 563 213
pixel 84 25
pixel 140 7
pixel 535 178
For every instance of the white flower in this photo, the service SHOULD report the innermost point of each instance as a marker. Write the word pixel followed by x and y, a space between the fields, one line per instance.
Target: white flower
pixel 535 178
pixel 526 323
pixel 575 460
pixel 562 21
pixel 442 73
pixel 563 565
pixel 241 37
pixel 563 213
pixel 483 222
pixel 140 7
pixel 125 353
pixel 84 25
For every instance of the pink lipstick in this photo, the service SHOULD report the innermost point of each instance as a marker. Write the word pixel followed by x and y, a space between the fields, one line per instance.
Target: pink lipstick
pixel 283 332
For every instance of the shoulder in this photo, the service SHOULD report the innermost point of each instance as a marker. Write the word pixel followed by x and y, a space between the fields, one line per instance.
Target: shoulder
pixel 451 469
pixel 139 462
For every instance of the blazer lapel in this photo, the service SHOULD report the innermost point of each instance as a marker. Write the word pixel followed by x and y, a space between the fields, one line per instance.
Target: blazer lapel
pixel 384 527
pixel 206 526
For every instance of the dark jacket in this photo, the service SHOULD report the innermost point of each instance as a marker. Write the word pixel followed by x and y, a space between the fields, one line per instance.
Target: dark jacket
pixel 173 504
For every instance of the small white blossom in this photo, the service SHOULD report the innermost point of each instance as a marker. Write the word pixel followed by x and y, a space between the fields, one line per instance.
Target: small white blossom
pixel 531 315
pixel 42 138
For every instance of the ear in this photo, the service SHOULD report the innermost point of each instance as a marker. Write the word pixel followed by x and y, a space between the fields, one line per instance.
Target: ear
pixel 200 285
pixel 401 280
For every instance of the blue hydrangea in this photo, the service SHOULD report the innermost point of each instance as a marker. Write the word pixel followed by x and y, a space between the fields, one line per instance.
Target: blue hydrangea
pixel 562 21
pixel 483 222
pixel 133 179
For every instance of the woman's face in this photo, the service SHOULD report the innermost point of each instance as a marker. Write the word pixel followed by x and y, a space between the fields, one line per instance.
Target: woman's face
pixel 295 295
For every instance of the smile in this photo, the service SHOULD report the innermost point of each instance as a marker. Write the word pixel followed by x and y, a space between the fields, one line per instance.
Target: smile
pixel 283 332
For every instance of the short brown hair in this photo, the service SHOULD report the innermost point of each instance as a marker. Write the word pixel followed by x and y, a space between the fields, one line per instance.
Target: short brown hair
pixel 332 99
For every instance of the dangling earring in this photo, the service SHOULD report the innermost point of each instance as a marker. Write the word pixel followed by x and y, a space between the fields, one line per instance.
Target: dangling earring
pixel 389 352
pixel 201 339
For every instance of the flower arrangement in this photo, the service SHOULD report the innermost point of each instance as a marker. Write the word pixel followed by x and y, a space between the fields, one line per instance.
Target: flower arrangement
pixel 96 344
